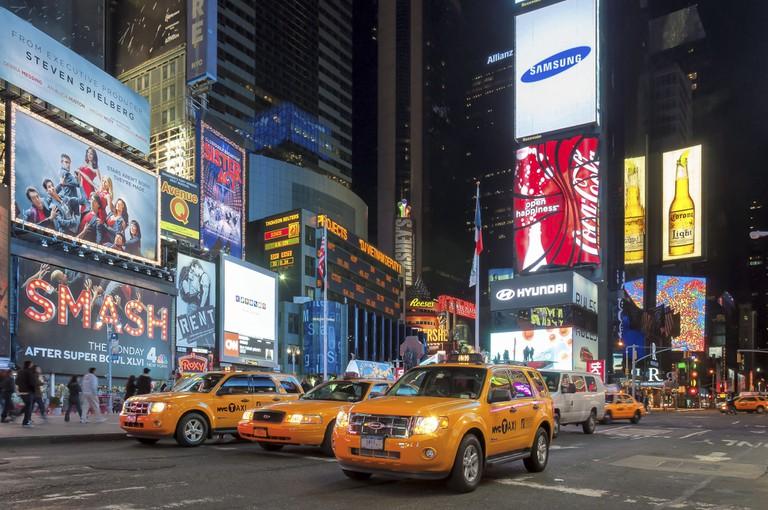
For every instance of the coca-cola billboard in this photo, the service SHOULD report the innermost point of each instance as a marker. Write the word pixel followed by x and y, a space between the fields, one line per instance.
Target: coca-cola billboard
pixel 556 204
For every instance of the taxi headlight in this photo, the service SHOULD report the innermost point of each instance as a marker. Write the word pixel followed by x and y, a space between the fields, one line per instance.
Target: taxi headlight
pixel 157 407
pixel 342 419
pixel 248 415
pixel 125 406
pixel 429 424
pixel 305 419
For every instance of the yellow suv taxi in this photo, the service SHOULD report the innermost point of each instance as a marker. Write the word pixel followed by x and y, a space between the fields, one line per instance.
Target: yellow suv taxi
pixel 309 420
pixel 448 421
pixel 203 405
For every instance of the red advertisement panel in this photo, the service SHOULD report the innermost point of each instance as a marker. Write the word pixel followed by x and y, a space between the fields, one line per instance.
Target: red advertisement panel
pixel 556 204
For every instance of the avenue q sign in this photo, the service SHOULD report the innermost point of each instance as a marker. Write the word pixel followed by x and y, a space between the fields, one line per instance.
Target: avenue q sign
pixel 561 288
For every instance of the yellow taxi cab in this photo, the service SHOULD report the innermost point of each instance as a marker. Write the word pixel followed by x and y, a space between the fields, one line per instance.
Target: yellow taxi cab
pixel 203 405
pixel 309 420
pixel 448 421
pixel 748 402
pixel 620 406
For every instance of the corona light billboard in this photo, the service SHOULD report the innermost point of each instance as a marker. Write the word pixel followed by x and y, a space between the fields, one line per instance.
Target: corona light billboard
pixel 682 215
pixel 634 210
pixel 556 208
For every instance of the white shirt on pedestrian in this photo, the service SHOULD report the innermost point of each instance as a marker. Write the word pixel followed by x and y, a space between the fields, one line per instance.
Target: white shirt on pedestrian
pixel 90 384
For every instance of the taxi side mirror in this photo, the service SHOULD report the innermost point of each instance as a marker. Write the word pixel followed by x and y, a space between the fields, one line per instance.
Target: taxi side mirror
pixel 499 395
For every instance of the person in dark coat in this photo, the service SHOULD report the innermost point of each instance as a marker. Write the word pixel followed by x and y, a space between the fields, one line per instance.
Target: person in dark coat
pixel 74 398
pixel 38 398
pixel 130 387
pixel 144 383
pixel 7 387
pixel 25 381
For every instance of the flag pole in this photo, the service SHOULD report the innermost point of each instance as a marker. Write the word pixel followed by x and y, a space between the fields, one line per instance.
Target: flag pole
pixel 477 289
pixel 325 302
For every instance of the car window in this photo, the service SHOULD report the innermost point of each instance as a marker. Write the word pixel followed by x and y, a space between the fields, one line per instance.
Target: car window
pixel 290 386
pixel 541 386
pixel 610 398
pixel 521 388
pixel 578 380
pixel 236 385
pixel 263 384
pixel 379 389
pixel 591 383
pixel 500 380
pixel 339 391
pixel 625 399
pixel 441 381
pixel 552 379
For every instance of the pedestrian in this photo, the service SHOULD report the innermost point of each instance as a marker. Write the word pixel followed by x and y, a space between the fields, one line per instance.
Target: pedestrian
pixel 305 385
pixel 91 396
pixel 74 398
pixel 144 383
pixel 7 387
pixel 25 381
pixel 130 387
pixel 39 385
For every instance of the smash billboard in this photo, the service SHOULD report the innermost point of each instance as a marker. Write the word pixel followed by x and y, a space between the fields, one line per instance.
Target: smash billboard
pixel 64 314
pixel 556 207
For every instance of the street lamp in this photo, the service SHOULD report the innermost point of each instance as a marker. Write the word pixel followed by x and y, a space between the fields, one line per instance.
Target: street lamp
pixel 757 234
pixel 293 351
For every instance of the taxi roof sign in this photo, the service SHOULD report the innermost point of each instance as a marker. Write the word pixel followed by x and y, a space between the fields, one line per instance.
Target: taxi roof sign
pixel 474 357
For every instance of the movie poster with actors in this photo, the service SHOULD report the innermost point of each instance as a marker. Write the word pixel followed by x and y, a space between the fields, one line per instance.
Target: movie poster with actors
pixel 5 258
pixel 64 316
pixel 195 303
pixel 62 185
pixel 222 187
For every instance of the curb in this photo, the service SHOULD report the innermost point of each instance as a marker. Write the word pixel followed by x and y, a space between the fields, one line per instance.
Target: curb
pixel 60 439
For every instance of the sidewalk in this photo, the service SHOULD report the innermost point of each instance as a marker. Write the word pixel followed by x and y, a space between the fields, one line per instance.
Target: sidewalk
pixel 56 430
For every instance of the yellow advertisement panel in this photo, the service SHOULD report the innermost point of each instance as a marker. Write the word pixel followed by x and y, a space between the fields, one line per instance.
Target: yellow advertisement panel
pixel 634 210
pixel 682 216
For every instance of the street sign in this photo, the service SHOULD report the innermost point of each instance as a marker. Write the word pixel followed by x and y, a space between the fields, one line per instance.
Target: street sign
pixel 114 345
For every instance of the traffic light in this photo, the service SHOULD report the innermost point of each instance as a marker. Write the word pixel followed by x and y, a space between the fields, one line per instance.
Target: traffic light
pixel 692 391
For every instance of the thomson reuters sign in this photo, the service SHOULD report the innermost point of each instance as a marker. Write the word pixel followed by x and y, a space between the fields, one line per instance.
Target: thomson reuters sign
pixel 548 289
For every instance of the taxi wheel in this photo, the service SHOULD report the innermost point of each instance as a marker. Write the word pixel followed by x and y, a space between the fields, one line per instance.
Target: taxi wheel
pixel 468 466
pixel 327 446
pixel 589 426
pixel 760 409
pixel 607 418
pixel 147 440
pixel 356 475
pixel 192 430
pixel 556 431
pixel 270 447
pixel 636 417
pixel 537 462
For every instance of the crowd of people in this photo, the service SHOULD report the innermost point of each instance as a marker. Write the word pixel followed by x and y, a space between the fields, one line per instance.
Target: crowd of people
pixel 82 204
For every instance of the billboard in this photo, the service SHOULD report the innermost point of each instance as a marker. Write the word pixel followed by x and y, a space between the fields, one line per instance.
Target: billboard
pixel 63 319
pixel 313 337
pixel 195 303
pixel 556 59
pixel 556 208
pixel 249 311
pixel 686 296
pixel 5 259
pixel 179 208
pixel 64 186
pixel 682 214
pixel 547 348
pixel 147 29
pixel 222 188
pixel 38 64
pixel 201 40
pixel 404 247
pixel 634 210
pixel 546 289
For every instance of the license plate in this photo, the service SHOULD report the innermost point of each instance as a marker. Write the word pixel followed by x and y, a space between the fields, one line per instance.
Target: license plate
pixel 260 432
pixel 131 418
pixel 372 443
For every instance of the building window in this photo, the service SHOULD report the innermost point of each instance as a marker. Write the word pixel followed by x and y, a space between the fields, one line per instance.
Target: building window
pixel 169 92
pixel 309 292
pixel 293 323
pixel 309 265
pixel 309 237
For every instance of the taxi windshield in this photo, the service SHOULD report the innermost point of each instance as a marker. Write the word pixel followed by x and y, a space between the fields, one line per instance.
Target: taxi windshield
pixel 446 382
pixel 201 383
pixel 340 391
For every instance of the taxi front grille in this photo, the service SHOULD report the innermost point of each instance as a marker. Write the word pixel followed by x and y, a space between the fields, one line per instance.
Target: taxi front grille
pixel 382 454
pixel 137 407
pixel 269 416
pixel 379 425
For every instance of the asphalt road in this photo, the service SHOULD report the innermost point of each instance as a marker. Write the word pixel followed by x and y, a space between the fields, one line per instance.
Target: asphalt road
pixel 676 460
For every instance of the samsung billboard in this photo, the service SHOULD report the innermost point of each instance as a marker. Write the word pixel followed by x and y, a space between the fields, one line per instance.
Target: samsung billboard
pixel 556 59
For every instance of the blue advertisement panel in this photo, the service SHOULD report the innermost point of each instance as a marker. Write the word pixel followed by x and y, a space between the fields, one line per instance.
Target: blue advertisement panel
pixel 64 316
pixel 201 40
pixel 313 338
pixel 222 187
pixel 38 64
pixel 63 186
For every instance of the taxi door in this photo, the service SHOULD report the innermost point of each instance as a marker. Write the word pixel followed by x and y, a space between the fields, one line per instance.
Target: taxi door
pixel 502 415
pixel 233 398
pixel 526 406
pixel 266 391
pixel 625 408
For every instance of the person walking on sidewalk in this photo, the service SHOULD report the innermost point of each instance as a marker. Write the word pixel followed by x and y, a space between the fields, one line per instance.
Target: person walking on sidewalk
pixel 91 395
pixel 7 387
pixel 25 380
pixel 130 387
pixel 144 383
pixel 74 398
pixel 39 392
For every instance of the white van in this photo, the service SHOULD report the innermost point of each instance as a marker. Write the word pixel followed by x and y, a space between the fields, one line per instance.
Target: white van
pixel 579 398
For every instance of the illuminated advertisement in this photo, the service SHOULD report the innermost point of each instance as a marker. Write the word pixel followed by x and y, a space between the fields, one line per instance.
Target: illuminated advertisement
pixel 146 30
pixel 281 238
pixel 5 258
pixel 249 309
pixel 179 208
pixel 544 289
pixel 686 296
pixel 556 62
pixel 546 348
pixel 682 215
pixel 635 289
pixel 64 186
pixel 312 315
pixel 36 63
pixel 404 247
pixel 64 315
pixel 195 302
pixel 634 210
pixel 556 209
pixel 222 187
pixel 456 306
pixel 202 30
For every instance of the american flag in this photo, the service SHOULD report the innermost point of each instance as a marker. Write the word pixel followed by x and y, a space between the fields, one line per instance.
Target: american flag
pixel 321 252
pixel 474 276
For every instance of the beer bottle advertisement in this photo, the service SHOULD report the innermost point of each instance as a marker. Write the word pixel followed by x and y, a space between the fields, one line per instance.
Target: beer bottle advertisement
pixel 634 210
pixel 682 213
